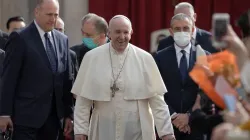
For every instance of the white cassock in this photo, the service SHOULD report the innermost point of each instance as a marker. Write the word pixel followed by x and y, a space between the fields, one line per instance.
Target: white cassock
pixel 129 114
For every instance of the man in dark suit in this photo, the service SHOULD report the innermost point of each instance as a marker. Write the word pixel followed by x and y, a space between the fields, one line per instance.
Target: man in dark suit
pixel 74 63
pixel 3 39
pixel 174 64
pixel 94 32
pixel 201 37
pixel 36 79
pixel 15 23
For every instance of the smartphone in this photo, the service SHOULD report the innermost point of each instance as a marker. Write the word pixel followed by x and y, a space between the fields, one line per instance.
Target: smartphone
pixel 220 22
pixel 230 102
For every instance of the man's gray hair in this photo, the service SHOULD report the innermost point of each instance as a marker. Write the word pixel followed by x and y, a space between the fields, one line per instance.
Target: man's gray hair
pixel 40 2
pixel 86 17
pixel 100 24
pixel 185 5
pixel 121 16
pixel 181 16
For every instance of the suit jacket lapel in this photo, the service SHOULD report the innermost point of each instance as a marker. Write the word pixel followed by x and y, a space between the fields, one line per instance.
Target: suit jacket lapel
pixel 56 43
pixel 37 41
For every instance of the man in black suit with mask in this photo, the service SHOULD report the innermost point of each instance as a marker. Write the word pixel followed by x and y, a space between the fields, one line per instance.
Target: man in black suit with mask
pixel 36 79
pixel 94 31
pixel 174 63
pixel 200 36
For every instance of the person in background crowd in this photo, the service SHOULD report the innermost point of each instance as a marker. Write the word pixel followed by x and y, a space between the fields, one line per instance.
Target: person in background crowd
pixel 199 36
pixel 61 28
pixel 3 39
pixel 94 31
pixel 15 23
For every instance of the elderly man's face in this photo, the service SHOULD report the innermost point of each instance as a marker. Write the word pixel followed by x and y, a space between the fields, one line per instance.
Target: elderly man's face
pixel 46 14
pixel 59 26
pixel 182 26
pixel 182 30
pixel 120 33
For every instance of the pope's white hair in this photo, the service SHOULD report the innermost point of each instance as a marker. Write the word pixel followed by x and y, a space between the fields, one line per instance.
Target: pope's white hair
pixel 120 16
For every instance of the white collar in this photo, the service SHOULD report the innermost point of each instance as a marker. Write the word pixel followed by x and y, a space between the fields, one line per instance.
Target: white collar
pixel 187 49
pixel 194 33
pixel 115 52
pixel 40 30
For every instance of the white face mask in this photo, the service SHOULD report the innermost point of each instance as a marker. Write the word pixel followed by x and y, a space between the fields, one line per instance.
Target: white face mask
pixel 182 38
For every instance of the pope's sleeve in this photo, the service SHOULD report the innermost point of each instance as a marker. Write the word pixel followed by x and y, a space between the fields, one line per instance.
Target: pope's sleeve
pixel 81 76
pixel 161 116
pixel 81 115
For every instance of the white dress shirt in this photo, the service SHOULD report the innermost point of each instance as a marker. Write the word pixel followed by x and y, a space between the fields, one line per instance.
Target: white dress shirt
pixel 41 33
pixel 194 33
pixel 179 54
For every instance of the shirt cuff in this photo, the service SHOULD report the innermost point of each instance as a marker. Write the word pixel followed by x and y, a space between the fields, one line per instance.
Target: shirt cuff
pixel 245 77
pixel 173 115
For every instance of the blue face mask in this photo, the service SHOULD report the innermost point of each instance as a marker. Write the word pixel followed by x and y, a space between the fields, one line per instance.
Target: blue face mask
pixel 89 42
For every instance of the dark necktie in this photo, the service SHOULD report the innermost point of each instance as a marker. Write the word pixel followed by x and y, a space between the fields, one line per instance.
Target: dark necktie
pixel 50 53
pixel 183 66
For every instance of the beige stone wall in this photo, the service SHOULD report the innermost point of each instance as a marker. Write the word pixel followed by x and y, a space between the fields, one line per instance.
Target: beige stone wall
pixel 71 12
pixel 9 8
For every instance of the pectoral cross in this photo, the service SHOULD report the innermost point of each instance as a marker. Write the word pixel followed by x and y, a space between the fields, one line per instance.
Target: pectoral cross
pixel 114 89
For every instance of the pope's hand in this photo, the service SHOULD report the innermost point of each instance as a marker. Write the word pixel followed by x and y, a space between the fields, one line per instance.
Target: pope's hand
pixel 80 137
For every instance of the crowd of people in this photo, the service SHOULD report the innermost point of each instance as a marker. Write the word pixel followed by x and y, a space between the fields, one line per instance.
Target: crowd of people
pixel 109 89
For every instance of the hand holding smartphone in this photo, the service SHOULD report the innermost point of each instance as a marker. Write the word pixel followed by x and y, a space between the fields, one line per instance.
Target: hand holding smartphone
pixel 230 102
pixel 220 22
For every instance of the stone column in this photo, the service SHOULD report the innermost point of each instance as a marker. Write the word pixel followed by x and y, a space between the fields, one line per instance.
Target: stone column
pixel 72 12
pixel 10 8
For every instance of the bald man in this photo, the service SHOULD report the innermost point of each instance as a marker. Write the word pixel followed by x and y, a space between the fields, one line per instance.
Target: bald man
pixel 59 25
pixel 125 85
pixel 36 81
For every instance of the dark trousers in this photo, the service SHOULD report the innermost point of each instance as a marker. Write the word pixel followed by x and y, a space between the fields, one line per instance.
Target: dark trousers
pixel 51 129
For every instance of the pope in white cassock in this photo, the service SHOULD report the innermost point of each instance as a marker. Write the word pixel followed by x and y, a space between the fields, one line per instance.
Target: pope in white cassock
pixel 126 88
